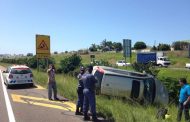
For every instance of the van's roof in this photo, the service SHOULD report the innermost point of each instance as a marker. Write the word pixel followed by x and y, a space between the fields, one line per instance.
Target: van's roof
pixel 114 71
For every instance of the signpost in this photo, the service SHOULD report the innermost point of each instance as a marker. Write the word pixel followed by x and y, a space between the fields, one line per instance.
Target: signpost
pixel 42 48
pixel 127 48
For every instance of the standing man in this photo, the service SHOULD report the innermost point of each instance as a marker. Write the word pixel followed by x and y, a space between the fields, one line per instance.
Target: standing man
pixel 52 83
pixel 89 94
pixel 184 99
pixel 80 93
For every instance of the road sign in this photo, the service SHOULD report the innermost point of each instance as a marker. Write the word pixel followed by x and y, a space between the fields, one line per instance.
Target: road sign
pixel 126 47
pixel 42 46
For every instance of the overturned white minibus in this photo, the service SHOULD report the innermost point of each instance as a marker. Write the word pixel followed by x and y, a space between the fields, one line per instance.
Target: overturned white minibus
pixel 132 85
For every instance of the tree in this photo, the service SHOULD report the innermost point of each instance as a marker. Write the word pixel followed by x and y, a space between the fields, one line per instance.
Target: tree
pixel 93 48
pixel 55 52
pixel 103 43
pixel 180 45
pixel 163 47
pixel 154 48
pixel 139 45
pixel 29 54
pixel 117 46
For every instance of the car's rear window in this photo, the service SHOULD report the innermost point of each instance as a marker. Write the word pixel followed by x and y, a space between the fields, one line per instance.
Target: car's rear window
pixel 20 71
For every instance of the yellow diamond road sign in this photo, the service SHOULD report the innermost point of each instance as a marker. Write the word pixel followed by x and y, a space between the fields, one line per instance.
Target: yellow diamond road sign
pixel 42 46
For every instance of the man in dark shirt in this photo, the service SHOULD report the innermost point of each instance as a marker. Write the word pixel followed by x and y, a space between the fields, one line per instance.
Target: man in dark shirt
pixel 89 94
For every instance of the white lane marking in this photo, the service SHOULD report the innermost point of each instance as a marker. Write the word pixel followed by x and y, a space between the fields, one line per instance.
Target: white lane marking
pixel 7 101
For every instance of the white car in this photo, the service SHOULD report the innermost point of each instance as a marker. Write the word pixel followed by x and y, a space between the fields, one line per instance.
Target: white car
pixel 18 74
pixel 122 63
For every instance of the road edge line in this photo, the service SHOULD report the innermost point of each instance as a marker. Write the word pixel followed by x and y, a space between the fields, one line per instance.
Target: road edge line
pixel 7 101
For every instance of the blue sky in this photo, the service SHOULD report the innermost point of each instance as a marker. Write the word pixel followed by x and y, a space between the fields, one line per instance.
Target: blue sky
pixel 76 24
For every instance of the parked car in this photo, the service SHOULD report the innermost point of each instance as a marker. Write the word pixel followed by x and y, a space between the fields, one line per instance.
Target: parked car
pixel 18 74
pixel 132 85
pixel 187 65
pixel 122 63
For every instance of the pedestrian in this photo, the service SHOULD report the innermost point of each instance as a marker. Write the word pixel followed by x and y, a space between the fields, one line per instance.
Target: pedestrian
pixel 52 83
pixel 79 107
pixel 184 99
pixel 89 94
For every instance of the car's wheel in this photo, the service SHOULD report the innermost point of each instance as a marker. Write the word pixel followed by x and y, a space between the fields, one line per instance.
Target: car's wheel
pixel 8 86
pixel 31 85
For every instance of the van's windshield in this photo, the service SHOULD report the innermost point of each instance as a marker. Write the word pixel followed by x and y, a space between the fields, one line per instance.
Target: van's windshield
pixel 149 90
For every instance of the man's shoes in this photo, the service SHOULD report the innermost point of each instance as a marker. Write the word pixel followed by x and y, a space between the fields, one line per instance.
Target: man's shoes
pixel 50 99
pixel 78 113
pixel 94 119
pixel 86 118
pixel 56 98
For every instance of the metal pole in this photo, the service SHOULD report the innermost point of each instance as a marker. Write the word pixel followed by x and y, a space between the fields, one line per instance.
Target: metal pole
pixel 38 64
pixel 47 63
pixel 125 61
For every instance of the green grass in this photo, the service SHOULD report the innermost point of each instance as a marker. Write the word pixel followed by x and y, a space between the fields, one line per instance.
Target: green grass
pixel 174 73
pixel 113 108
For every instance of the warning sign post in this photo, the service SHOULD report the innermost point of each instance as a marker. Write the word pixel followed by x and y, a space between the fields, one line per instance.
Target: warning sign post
pixel 42 46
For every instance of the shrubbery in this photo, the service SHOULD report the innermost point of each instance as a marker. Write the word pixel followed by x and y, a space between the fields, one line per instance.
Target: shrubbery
pixel 31 62
pixel 70 63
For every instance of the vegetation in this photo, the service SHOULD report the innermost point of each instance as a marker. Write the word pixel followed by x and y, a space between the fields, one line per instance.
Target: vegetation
pixel 139 45
pixel 70 63
pixel 116 109
pixel 180 45
pixel 163 47
pixel 106 46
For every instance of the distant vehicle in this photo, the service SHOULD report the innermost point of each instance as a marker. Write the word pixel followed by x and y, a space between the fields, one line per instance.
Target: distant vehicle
pixel 122 63
pixel 132 85
pixel 187 65
pixel 153 57
pixel 18 74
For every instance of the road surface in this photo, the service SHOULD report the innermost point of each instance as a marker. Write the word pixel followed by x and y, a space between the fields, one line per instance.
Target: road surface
pixel 26 104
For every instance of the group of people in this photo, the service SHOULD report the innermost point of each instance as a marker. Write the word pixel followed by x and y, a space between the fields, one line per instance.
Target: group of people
pixel 86 94
pixel 85 91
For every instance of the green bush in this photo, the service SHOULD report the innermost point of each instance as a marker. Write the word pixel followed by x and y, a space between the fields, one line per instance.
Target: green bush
pixel 70 63
pixel 148 68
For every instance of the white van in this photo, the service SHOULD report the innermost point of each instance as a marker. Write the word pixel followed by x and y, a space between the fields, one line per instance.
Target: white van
pixel 133 85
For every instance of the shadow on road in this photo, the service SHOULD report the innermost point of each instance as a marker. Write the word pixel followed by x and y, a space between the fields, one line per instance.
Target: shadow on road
pixel 22 86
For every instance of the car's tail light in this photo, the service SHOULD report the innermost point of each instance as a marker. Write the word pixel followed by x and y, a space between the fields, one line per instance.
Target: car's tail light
pixel 10 76
pixel 31 75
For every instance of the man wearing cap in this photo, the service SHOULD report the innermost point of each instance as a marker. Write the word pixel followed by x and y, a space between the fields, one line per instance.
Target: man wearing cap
pixel 184 100
pixel 80 93
pixel 89 94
